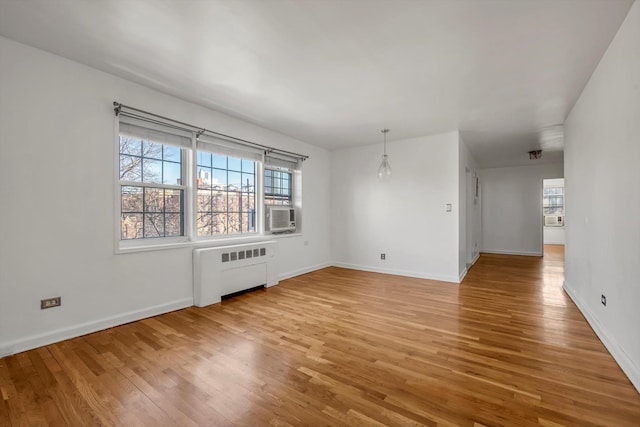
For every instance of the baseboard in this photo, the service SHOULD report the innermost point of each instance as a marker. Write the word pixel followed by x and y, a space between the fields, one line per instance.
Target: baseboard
pixel 463 274
pixel 305 270
pixel 468 267
pixel 442 278
pixel 617 352
pixel 475 259
pixel 501 252
pixel 39 340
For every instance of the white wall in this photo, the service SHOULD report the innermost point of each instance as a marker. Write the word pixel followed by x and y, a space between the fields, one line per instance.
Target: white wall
pixel 405 217
pixel 553 235
pixel 512 208
pixel 602 137
pixel 57 186
pixel 469 224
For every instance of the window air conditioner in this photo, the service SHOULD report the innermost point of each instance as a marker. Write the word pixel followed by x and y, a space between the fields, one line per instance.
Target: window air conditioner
pixel 280 219
pixel 553 220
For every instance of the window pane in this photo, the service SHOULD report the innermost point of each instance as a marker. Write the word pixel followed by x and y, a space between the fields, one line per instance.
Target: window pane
pixel 171 153
pixel 153 200
pixel 152 171
pixel 234 201
pixel 130 146
pixel 130 168
pixel 203 201
pixel 132 199
pixel 173 225
pixel 152 150
pixel 131 226
pixel 234 223
pixel 219 179
pixel 248 201
pixel 153 225
pixel 203 177
pixel 252 220
pixel 247 222
pixel 268 179
pixel 248 166
pixel 172 173
pixel 218 223
pixel 219 161
pixel 204 159
pixel 235 164
pixel 235 180
pixel 203 223
pixel 219 201
pixel 173 201
pixel 248 182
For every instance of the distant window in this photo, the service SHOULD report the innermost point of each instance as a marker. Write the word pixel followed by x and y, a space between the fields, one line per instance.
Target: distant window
pixel 277 186
pixel 553 201
pixel 226 199
pixel 151 189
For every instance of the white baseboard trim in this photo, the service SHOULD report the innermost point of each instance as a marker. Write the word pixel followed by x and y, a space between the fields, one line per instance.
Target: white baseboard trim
pixel 617 352
pixel 39 340
pixel 442 278
pixel 304 270
pixel 468 267
pixel 475 259
pixel 501 252
pixel 463 274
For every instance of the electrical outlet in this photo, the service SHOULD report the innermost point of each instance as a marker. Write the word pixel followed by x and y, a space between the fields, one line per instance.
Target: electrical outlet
pixel 603 300
pixel 383 256
pixel 50 303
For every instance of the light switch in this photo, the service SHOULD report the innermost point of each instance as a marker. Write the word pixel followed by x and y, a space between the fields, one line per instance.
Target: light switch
pixel 448 207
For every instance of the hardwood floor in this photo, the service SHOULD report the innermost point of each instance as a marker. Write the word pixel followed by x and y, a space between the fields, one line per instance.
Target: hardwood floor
pixel 340 347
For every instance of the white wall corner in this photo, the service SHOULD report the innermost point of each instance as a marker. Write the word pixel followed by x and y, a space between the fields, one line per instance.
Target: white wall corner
pixel 617 352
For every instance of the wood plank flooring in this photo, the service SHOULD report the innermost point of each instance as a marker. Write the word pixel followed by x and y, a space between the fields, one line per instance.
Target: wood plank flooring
pixel 340 347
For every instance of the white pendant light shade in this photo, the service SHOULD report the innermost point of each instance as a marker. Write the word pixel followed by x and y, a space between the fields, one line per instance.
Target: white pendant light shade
pixel 384 171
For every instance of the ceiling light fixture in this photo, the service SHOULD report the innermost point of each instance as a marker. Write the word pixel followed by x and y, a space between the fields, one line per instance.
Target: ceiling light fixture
pixel 384 171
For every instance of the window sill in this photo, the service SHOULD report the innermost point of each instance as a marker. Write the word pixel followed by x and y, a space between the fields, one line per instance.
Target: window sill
pixel 227 241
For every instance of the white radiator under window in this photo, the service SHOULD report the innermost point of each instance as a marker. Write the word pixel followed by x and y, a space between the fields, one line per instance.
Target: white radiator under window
pixel 228 269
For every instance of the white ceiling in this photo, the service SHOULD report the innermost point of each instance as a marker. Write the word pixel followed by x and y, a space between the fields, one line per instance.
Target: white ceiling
pixel 334 72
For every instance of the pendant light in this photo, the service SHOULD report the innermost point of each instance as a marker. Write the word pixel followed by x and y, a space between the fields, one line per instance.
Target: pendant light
pixel 384 171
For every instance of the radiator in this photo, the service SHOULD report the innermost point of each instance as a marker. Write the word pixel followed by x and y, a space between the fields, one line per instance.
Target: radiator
pixel 224 270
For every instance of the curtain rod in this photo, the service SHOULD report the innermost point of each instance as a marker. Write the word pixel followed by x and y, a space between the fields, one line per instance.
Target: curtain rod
pixel 119 108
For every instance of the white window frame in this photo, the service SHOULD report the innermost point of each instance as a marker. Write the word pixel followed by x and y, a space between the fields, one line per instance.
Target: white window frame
pixel 195 203
pixel 124 244
pixel 291 173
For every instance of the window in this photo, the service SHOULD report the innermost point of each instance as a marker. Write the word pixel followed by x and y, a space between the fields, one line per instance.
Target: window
pixel 553 200
pixel 151 190
pixel 277 186
pixel 175 185
pixel 226 199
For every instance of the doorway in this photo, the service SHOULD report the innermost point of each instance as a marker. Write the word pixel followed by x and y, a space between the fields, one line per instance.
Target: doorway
pixel 553 231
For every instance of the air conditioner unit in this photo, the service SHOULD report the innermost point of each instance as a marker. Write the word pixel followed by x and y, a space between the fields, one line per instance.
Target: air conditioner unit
pixel 280 219
pixel 553 220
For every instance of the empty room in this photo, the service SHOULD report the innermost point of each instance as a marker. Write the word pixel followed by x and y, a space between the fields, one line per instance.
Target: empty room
pixel 319 212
